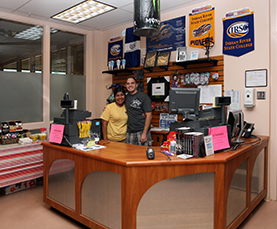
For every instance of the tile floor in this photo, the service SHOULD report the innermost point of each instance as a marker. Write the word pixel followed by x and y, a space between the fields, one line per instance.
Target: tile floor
pixel 26 210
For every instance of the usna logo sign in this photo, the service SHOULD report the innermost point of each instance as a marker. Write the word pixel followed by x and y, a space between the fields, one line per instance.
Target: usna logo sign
pixel 115 50
pixel 238 29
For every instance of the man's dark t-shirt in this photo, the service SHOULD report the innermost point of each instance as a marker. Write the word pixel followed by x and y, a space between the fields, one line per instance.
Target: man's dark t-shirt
pixel 136 105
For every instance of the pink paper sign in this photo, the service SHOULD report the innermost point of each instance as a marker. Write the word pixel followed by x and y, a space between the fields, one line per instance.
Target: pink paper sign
pixel 56 133
pixel 220 137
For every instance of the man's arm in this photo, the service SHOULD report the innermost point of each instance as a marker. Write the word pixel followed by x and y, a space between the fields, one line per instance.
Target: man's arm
pixel 148 119
pixel 104 129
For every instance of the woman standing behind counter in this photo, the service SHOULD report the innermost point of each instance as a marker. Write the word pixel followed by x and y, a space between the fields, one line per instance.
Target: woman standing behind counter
pixel 114 118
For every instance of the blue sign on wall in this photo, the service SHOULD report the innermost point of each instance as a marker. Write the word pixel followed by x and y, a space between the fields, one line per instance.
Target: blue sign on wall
pixel 115 50
pixel 238 35
pixel 172 35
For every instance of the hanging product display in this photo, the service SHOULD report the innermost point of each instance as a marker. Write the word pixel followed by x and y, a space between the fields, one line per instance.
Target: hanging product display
pixel 215 75
pixel 175 79
pixel 187 79
pixel 182 77
pixel 202 78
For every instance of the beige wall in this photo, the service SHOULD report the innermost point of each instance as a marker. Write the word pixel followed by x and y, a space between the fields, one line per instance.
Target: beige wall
pixel 234 67
pixel 273 98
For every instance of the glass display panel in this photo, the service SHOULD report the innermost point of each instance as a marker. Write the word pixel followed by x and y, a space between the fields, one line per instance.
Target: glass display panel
pixel 237 193
pixel 180 202
pixel 101 198
pixel 61 182
pixel 257 184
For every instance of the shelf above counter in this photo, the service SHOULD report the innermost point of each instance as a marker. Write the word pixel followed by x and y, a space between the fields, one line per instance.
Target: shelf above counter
pixel 132 71
pixel 150 69
pixel 198 61
pixel 115 72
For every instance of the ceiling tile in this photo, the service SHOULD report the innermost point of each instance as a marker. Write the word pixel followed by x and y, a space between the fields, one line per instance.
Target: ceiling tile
pixel 47 8
pixel 117 3
pixel 109 20
pixel 13 4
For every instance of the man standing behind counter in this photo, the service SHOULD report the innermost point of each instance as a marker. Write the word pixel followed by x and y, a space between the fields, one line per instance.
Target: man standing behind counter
pixel 139 111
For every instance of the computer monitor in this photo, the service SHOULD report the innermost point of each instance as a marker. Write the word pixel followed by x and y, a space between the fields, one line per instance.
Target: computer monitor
pixel 236 121
pixel 184 101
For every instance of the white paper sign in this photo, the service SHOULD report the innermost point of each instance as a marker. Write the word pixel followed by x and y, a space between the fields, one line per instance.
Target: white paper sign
pixel 207 93
pixel 256 78
pixel 235 99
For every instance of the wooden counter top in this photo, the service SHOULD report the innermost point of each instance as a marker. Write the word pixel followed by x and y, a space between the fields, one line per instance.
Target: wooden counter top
pixel 134 155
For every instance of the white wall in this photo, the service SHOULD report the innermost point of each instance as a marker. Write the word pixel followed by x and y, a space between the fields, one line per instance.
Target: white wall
pixel 234 67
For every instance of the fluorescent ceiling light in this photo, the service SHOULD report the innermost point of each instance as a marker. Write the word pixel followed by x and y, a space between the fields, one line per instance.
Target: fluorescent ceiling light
pixel 33 33
pixel 83 11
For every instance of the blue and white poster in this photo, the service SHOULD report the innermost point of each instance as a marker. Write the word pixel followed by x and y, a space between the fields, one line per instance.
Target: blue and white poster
pixel 115 49
pixel 238 35
pixel 171 36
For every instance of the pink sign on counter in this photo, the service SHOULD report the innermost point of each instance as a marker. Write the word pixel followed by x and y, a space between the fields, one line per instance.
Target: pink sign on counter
pixel 220 137
pixel 56 133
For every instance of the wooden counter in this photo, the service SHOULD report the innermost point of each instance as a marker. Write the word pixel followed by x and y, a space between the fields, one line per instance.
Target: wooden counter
pixel 136 177
pixel 157 137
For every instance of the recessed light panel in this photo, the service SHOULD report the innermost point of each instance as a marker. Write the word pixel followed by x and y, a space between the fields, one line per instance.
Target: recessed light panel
pixel 83 11
pixel 33 33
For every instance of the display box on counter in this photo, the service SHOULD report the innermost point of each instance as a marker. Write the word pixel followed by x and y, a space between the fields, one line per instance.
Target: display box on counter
pixel 19 187
pixel 10 132
pixel 9 141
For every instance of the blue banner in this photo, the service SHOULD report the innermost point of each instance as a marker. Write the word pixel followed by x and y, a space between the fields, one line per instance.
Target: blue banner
pixel 115 50
pixel 238 35
pixel 132 48
pixel 171 36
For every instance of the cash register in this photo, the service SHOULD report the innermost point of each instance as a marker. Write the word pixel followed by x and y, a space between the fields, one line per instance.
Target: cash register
pixel 70 118
pixel 185 101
